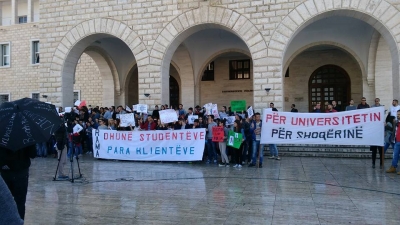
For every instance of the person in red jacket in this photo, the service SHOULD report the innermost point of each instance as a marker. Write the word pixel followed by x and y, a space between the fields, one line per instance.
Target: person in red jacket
pixel 149 124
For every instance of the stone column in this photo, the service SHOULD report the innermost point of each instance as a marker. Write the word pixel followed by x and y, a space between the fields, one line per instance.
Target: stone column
pixel 1 13
pixel 30 11
pixel 14 12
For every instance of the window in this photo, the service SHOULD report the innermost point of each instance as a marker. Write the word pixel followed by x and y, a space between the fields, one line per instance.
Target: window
pixel 22 19
pixel 36 96
pixel 5 55
pixel 4 98
pixel 208 74
pixel 239 69
pixel 35 52
pixel 77 95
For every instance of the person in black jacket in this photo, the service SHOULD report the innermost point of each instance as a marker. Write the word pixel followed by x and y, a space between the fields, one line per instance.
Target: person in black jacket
pixel 14 168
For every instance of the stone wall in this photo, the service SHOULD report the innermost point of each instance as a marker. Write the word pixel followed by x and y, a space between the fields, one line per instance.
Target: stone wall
pixel 89 81
pixel 21 78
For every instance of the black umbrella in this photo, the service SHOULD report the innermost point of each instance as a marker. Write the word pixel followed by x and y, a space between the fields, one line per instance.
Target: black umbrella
pixel 26 122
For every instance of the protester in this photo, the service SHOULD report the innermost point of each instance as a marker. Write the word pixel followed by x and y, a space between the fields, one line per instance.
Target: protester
pixel 377 103
pixel 317 108
pixel 14 168
pixel 149 124
pixel 271 105
pixel 103 124
pixel 373 148
pixel 330 109
pixel 351 106
pixel 237 153
pixel 363 104
pixel 222 145
pixel 247 143
pixel 394 107
pixel 156 113
pixel 255 129
pixel 212 155
pixel 396 149
pixel 293 108
pixel 335 106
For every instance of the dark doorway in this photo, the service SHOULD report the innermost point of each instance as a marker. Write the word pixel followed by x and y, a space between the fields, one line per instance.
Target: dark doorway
pixel 329 83
pixel 173 92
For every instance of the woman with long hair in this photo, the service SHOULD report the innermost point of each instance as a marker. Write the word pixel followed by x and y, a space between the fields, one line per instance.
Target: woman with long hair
pixel 237 153
pixel 222 145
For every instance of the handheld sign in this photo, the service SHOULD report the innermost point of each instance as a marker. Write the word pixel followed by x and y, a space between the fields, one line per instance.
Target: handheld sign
pixel 127 119
pixel 230 120
pixel 218 134
pixel 238 106
pixel 214 111
pixel 208 108
pixel 168 116
pixel 192 118
pixel 234 139
pixel 141 108
pixel 250 112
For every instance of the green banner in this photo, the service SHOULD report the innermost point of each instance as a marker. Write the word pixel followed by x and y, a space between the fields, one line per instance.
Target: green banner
pixel 238 106
pixel 234 139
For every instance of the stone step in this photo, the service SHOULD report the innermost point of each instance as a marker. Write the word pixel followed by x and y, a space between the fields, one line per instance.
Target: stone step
pixel 326 151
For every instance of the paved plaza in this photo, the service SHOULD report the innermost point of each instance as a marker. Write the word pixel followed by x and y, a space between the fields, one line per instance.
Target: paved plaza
pixel 291 191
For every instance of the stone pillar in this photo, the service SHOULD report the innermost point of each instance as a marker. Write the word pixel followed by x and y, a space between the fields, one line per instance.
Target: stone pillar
pixel 30 11
pixel 14 12
pixel 1 13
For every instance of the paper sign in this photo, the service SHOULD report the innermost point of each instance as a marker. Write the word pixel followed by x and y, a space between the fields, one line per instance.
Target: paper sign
pixel 215 111
pixel 141 108
pixel 128 109
pixel 68 109
pixel 230 120
pixel 218 134
pixel 238 106
pixel 134 107
pixel 192 118
pixel 127 119
pixel 250 112
pixel 235 139
pixel 168 116
pixel 77 103
pixel 208 108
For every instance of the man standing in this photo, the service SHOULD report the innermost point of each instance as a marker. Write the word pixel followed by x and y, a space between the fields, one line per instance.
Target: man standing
pixel 293 106
pixel 255 130
pixel 335 106
pixel 212 155
pixel 149 124
pixel 374 149
pixel 363 104
pixel 317 107
pixel 271 105
pixel 396 149
pixel 330 109
pixel 377 103
pixel 394 108
pixel 351 106
pixel 14 168
pixel 156 113
pixel 181 111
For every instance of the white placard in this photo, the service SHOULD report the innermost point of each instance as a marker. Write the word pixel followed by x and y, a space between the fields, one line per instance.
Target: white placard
pixel 159 145
pixel 191 118
pixel 250 112
pixel 67 109
pixel 141 108
pixel 134 108
pixel 168 116
pixel 356 127
pixel 127 119
pixel 214 111
pixel 230 120
pixel 77 103
pixel 128 109
pixel 208 108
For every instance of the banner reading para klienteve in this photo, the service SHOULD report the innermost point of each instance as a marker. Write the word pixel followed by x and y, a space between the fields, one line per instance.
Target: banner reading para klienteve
pixel 160 145
pixel 357 127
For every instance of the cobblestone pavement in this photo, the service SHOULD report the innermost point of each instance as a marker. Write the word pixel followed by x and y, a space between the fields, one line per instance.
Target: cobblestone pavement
pixel 290 191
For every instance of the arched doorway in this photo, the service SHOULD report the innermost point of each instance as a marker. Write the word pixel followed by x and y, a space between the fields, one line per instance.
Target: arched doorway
pixel 173 92
pixel 328 83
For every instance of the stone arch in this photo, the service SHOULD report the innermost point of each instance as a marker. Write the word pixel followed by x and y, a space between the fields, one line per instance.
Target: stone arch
pixel 205 18
pixel 341 46
pixel 381 15
pixel 79 38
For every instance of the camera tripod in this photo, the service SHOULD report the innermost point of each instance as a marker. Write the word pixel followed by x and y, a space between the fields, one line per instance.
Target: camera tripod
pixel 71 160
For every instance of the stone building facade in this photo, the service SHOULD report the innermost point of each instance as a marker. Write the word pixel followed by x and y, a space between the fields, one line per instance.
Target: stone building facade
pixel 114 52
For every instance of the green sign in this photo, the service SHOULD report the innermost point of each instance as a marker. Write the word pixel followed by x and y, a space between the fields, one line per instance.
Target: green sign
pixel 238 106
pixel 234 139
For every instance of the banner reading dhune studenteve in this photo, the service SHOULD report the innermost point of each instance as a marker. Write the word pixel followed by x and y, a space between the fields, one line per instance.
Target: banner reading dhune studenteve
pixel 356 127
pixel 160 145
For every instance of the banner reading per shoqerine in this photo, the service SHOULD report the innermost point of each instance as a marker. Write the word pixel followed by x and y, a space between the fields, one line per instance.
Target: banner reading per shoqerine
pixel 160 145
pixel 357 127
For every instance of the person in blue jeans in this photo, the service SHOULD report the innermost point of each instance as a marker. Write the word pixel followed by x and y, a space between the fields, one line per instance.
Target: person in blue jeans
pixel 255 130
pixel 212 154
pixel 396 149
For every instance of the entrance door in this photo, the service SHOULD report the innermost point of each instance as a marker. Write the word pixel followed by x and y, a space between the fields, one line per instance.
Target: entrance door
pixel 173 92
pixel 329 83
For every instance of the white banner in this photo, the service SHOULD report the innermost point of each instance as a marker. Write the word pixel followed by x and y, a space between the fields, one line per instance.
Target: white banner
pixel 160 145
pixel 168 116
pixel 356 127
pixel 127 119
pixel 192 118
pixel 141 108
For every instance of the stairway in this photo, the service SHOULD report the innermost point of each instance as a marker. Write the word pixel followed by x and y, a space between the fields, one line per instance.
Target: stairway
pixel 328 151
